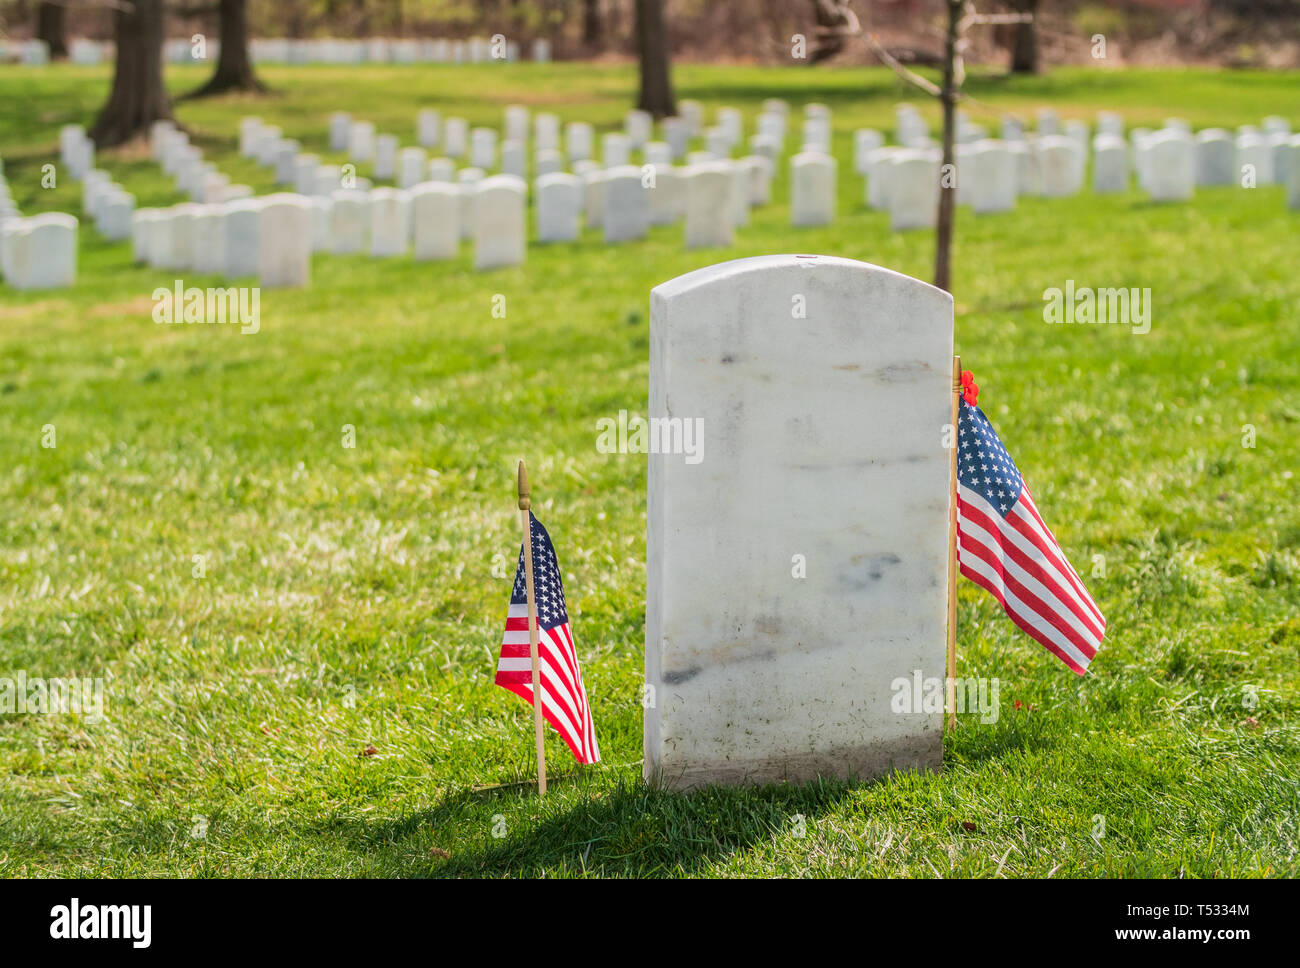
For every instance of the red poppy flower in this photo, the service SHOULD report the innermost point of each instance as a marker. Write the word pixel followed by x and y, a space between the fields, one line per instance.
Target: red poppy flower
pixel 970 390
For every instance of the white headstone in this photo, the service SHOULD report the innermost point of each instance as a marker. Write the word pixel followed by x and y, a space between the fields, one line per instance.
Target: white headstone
pixel 1216 157
pixel 677 135
pixel 878 168
pixel 616 149
pixel 389 226
pixel 435 212
pixel 717 143
pixel 559 207
pixel 286 162
pixel 692 113
pixel 593 197
pixel 514 158
pixel 115 212
pixel 410 167
pixel 177 251
pixel 467 179
pixel 1172 175
pixel 765 678
pixel 284 258
pixel 637 125
pixel 1293 173
pixel 739 190
pixel 340 131
pixel 708 206
pixel 141 226
pixel 250 133
pixel 43 253
pixel 913 182
pixel 578 140
pixel 483 148
pixel 546 132
pixel 304 175
pixel 761 172
pixel 242 235
pixel 1109 164
pixel 817 135
pixel 994 169
pixel 549 161
pixel 386 156
pixel 1056 160
pixel 812 189
pixel 455 137
pixel 1253 150
pixel 626 204
pixel 442 170
pixel 865 141
pixel 361 141
pixel 667 194
pixel 209 245
pixel 1108 122
pixel 427 121
pixel 500 222
pixel 517 123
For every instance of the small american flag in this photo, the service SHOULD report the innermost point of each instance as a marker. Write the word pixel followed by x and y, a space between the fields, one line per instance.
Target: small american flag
pixel 564 697
pixel 1004 546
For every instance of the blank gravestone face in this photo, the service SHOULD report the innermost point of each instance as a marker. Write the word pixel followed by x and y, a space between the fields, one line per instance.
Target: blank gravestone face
pixel 499 222
pixel 797 568
pixel 435 210
pixel 284 257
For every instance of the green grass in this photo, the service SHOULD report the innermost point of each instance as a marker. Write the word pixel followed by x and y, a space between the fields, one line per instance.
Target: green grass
pixel 354 597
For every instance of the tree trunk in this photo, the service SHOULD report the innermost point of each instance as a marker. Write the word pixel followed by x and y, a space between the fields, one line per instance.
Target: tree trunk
pixel 49 28
pixel 591 33
pixel 652 43
pixel 234 67
pixel 138 97
pixel 947 185
pixel 1024 41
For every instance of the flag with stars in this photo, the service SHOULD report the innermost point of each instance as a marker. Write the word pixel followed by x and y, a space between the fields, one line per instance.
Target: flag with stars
pixel 564 697
pixel 1004 546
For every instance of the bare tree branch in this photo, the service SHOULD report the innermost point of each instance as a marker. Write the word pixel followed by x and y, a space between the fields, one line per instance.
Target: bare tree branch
pixel 893 63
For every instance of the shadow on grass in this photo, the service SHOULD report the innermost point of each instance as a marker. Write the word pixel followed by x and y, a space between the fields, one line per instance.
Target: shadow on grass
pixel 628 829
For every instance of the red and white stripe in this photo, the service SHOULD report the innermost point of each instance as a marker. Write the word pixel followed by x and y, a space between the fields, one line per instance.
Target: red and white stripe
pixel 564 697
pixel 1019 561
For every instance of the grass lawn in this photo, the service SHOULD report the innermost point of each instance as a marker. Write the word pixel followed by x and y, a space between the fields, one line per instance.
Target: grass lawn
pixel 355 597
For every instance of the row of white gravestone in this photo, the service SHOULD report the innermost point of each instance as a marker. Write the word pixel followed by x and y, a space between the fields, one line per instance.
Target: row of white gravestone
pixel 270 237
pixel 1171 162
pixel 485 149
pixel 380 50
pixel 30 53
pixel 317 50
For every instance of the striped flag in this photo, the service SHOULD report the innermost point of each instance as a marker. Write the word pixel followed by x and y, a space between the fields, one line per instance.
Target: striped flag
pixel 1004 546
pixel 564 697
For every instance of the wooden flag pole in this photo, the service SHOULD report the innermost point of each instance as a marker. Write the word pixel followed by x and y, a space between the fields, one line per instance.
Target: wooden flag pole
pixel 532 631
pixel 952 547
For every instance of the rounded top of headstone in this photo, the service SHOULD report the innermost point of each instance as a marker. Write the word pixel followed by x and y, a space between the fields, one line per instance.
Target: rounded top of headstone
pixel 286 198
pixel 61 219
pixel 509 183
pixel 558 178
pixel 423 188
pixel 830 265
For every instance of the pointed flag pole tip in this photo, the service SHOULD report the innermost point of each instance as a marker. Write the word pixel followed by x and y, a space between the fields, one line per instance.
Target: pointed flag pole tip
pixel 523 487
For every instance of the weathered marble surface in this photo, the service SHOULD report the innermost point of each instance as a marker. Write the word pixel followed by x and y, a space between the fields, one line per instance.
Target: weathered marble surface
pixel 822 438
